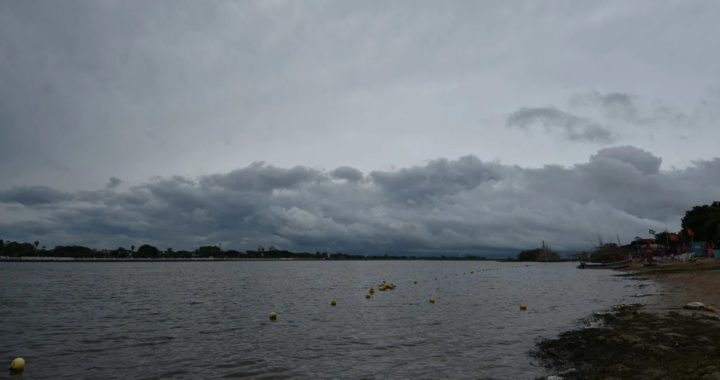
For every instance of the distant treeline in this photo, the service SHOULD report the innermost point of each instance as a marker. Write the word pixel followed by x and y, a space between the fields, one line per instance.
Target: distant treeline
pixel 146 251
pixel 703 220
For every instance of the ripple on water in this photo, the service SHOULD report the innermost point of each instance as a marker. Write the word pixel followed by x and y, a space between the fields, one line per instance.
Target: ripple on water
pixel 243 374
pixel 173 374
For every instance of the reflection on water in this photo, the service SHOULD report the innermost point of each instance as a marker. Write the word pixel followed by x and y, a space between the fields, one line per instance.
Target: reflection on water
pixel 210 320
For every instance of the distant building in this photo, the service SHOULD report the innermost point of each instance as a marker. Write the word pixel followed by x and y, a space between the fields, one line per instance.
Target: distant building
pixel 261 249
pixel 272 248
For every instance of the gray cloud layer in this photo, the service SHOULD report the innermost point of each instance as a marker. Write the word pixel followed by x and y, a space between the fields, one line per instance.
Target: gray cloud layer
pixel 569 126
pixel 444 206
pixel 623 107
pixel 113 183
pixel 144 88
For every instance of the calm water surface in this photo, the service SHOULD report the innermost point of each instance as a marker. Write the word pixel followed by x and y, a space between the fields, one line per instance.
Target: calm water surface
pixel 210 320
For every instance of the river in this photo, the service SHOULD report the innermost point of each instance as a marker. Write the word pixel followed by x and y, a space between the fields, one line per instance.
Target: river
pixel 209 320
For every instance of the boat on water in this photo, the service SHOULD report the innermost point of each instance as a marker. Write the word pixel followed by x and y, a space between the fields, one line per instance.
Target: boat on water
pixel 612 265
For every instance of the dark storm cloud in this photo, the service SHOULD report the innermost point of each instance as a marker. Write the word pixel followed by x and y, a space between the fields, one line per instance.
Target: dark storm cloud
pixel 565 125
pixel 438 177
pixel 444 206
pixel 260 177
pixel 32 195
pixel 113 182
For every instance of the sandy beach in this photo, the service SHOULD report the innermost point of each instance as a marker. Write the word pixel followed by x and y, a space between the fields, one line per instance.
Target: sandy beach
pixel 697 281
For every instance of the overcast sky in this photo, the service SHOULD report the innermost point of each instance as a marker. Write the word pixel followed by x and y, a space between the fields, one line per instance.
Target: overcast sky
pixel 361 127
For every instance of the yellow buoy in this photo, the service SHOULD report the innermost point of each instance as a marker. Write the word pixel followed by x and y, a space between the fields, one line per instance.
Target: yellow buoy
pixel 472 271
pixel 333 302
pixel 432 300
pixel 523 307
pixel 367 296
pixel 435 278
pixel 372 290
pixel 273 315
pixel 416 282
pixel 711 308
pixel 621 306
pixel 17 365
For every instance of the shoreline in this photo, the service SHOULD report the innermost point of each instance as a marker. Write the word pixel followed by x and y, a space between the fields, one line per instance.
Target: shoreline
pixel 684 283
pixel 32 259
pixel 659 340
pixel 138 260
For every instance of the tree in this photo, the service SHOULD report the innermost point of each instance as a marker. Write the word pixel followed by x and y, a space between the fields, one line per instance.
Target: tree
pixel 208 251
pixel 147 250
pixel 120 252
pixel 539 254
pixel 16 249
pixel 528 255
pixel 36 244
pixel 74 251
pixel 132 248
pixel 704 221
pixel 2 243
